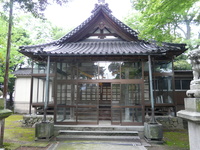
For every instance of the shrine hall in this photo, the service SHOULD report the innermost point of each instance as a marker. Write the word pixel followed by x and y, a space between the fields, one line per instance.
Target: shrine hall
pixel 100 72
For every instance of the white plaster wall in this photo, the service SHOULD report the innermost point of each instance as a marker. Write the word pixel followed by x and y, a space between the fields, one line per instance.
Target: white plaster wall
pixel 22 107
pixel 22 95
pixel 39 89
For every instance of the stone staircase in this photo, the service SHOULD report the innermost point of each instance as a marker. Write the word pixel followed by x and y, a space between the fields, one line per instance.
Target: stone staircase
pixel 99 133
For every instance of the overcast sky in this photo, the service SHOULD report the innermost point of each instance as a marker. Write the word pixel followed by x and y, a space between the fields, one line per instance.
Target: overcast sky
pixel 78 11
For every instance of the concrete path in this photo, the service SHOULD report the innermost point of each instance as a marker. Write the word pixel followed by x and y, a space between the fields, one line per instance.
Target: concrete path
pixel 96 145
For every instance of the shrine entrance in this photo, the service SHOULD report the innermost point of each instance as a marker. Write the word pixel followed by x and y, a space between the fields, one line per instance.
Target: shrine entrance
pixel 112 103
pixel 94 102
pixel 99 92
pixel 105 101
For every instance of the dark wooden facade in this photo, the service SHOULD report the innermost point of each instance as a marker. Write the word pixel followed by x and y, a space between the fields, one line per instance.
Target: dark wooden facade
pixel 99 73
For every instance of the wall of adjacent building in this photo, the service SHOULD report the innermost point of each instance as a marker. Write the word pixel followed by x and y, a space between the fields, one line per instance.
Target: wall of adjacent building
pixel 22 95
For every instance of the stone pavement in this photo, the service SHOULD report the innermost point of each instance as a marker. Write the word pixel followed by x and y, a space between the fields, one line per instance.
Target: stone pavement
pixel 98 145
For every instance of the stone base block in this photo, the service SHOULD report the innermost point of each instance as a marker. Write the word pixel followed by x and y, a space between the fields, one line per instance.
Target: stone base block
pixel 192 104
pixel 153 132
pixel 189 115
pixel 194 135
pixel 44 131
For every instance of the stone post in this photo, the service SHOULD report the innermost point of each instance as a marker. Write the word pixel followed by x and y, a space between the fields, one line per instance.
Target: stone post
pixel 192 103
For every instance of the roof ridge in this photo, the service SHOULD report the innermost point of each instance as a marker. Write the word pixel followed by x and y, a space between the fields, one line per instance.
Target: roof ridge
pixel 94 11
pixel 101 6
pixel 97 8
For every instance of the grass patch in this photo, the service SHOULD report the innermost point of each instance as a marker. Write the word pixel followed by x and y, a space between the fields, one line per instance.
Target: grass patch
pixel 37 144
pixel 16 136
pixel 177 139
pixel 15 132
pixel 11 146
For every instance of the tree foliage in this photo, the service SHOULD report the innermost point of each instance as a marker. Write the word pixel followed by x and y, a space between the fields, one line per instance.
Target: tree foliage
pixel 20 34
pixel 36 7
pixel 41 31
pixel 19 37
pixel 182 65
pixel 168 21
pixel 24 33
pixel 162 18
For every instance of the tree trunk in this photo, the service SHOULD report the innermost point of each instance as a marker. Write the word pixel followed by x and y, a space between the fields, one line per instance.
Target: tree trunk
pixel 2 123
pixel 188 31
pixel 5 89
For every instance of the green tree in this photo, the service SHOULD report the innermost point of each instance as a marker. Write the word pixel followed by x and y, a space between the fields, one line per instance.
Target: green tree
pixel 24 33
pixel 133 21
pixel 36 8
pixel 41 31
pixel 168 21
pixel 163 18
pixel 19 37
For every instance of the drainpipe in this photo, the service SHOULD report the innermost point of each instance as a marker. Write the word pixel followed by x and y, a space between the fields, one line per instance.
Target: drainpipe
pixel 152 120
pixel 47 89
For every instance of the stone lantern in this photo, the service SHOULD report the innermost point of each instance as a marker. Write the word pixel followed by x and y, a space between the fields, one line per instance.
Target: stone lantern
pixel 192 103
pixel 4 113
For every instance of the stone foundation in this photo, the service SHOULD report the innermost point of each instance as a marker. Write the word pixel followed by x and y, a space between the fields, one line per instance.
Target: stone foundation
pixel 166 121
pixel 31 120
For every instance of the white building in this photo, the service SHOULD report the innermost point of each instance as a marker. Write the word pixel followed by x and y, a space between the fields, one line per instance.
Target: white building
pixel 22 90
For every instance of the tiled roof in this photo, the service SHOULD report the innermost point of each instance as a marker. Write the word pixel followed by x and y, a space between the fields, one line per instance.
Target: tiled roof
pixel 117 46
pixel 103 48
pixel 23 72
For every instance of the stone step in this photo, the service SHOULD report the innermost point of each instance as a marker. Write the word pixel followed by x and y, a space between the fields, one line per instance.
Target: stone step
pixel 127 134
pixel 98 128
pixel 107 133
pixel 99 138
pixel 98 131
